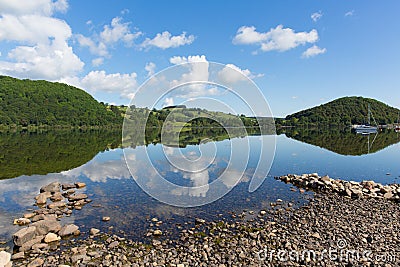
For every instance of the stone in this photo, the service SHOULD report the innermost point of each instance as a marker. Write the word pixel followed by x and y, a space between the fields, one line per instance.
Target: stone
pixel 316 235
pixel 77 197
pixel 154 220
pixel 22 221
pixel 80 185
pixel 24 235
pixel 67 186
pixel 28 245
pixel 68 230
pixel 18 256
pixel 39 246
pixel 113 244
pixel 52 188
pixel 157 232
pixel 5 258
pixel 42 198
pixel 36 263
pixel 263 212
pixel 94 231
pixel 51 237
pixel 29 215
pixel 57 196
pixel 200 221
pixel 45 226
pixel 106 219
pixel 57 205
pixel 388 195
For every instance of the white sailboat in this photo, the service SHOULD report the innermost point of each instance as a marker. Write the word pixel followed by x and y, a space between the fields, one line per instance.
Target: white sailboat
pixel 367 128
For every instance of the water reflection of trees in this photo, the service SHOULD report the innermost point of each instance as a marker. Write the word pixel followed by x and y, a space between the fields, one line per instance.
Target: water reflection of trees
pixel 344 141
pixel 27 153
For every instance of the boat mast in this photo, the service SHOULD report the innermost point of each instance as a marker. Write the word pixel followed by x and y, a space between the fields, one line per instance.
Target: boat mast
pixel 369 114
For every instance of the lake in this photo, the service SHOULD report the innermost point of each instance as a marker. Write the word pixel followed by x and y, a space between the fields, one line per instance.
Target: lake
pixel 30 160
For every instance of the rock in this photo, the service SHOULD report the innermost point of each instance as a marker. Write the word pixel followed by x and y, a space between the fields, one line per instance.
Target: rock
pixel 316 235
pixel 39 246
pixel 157 232
pixel 67 186
pixel 51 237
pixel 154 220
pixel 45 226
pixel 36 263
pixel 57 196
pixel 5 258
pixel 42 198
pixel 28 245
pixel 80 185
pixel 94 231
pixel 113 244
pixel 200 221
pixel 57 205
pixel 106 219
pixel 180 265
pixel 22 221
pixel 52 188
pixel 68 230
pixel 388 195
pixel 77 197
pixel 18 256
pixel 263 212
pixel 24 235
pixel 29 215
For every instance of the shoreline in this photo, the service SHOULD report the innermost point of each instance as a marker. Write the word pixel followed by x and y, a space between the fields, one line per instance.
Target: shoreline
pixel 331 221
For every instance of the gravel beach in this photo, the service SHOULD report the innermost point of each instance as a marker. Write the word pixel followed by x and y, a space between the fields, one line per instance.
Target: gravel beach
pixel 333 229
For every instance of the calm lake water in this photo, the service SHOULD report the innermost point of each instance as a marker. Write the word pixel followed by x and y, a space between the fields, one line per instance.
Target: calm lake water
pixel 31 160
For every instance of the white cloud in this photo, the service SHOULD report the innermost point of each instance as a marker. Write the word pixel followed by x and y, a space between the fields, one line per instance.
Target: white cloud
pixel 232 74
pixel 349 13
pixel 166 40
pixel 313 51
pixel 279 38
pixel 116 32
pixel 316 16
pixel 169 101
pixel 150 68
pixel 42 50
pixel 195 73
pixel 37 7
pixel 97 61
pixel 124 84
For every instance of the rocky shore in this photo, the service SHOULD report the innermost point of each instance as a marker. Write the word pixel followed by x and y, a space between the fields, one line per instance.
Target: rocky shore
pixel 344 224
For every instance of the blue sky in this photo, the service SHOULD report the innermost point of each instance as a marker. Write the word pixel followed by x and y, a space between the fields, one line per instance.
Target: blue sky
pixel 299 53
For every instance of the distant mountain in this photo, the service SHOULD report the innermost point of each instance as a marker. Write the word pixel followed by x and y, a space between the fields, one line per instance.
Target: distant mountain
pixel 344 111
pixel 27 102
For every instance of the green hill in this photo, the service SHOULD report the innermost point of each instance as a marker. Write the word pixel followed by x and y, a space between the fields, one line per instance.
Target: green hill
pixel 38 103
pixel 344 111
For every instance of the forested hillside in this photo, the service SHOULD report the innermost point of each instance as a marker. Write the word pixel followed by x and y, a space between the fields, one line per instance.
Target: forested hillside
pixel 344 111
pixel 27 102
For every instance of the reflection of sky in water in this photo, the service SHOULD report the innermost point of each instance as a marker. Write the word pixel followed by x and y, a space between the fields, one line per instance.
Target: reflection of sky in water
pixel 109 183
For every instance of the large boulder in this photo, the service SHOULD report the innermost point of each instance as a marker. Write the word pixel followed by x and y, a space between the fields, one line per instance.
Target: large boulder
pixel 45 226
pixel 5 259
pixel 68 229
pixel 52 188
pixel 24 235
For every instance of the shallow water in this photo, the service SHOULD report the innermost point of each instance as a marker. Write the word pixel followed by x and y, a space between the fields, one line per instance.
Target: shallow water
pixel 116 193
